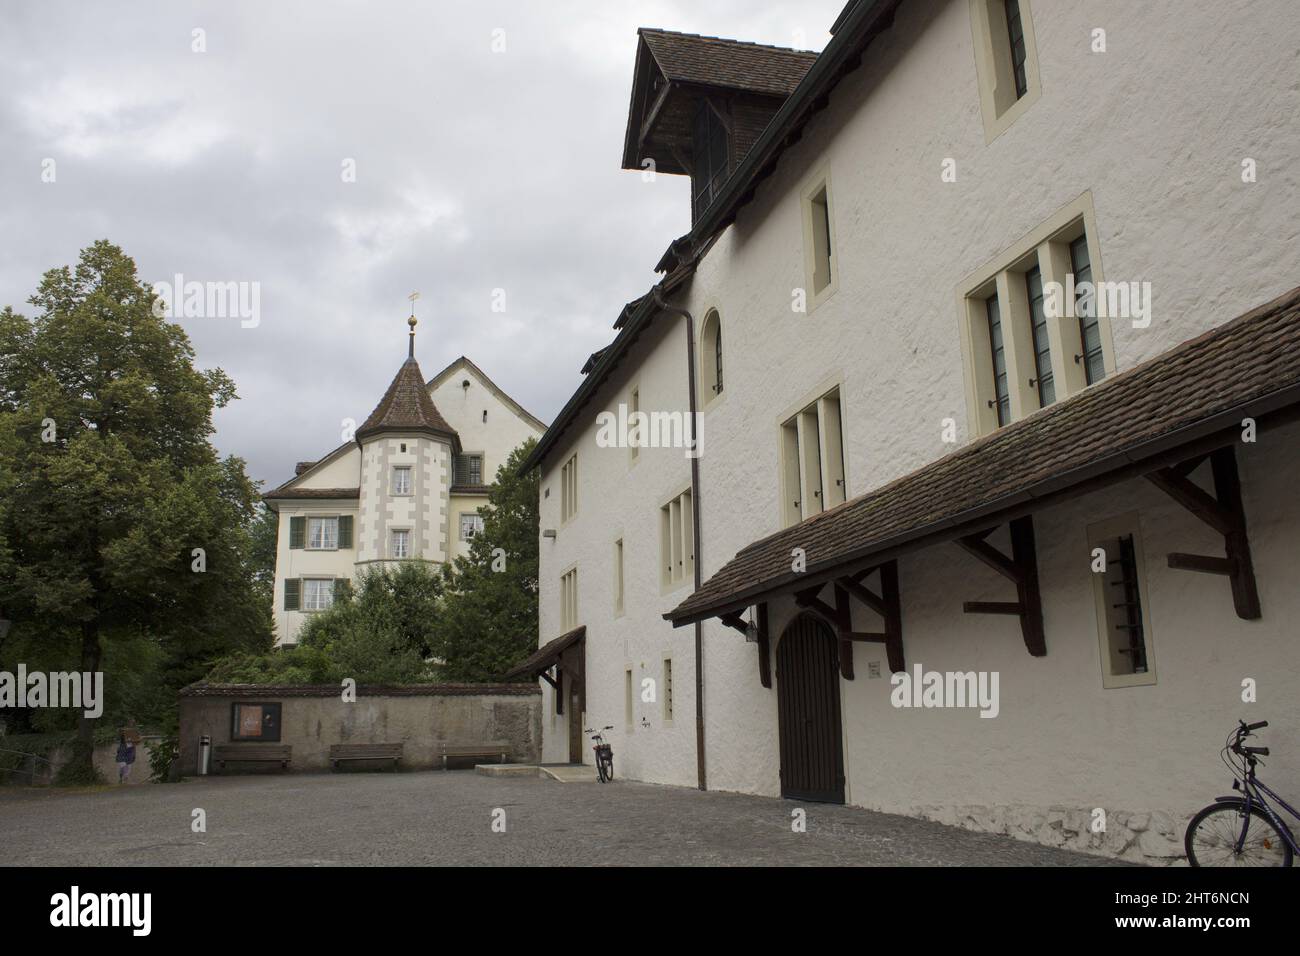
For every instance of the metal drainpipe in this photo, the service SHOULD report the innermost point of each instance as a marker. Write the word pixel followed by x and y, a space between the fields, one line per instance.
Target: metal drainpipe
pixel 663 305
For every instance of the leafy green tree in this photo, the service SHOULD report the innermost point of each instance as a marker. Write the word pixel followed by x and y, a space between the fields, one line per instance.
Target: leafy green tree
pixel 109 483
pixel 489 612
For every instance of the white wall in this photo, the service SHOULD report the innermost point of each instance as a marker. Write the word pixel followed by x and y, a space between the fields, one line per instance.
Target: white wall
pixel 1155 130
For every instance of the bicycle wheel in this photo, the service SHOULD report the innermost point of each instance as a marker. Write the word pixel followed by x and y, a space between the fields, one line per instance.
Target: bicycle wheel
pixel 600 769
pixel 1212 836
pixel 609 769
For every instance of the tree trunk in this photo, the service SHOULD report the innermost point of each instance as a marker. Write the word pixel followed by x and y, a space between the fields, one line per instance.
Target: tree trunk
pixel 81 764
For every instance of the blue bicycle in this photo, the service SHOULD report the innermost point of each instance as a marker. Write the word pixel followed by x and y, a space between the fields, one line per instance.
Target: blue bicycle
pixel 1242 830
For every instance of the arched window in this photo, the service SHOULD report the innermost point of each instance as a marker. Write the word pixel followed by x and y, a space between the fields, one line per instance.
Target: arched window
pixel 711 355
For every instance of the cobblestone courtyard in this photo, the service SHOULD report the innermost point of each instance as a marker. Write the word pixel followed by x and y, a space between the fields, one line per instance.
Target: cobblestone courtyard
pixel 447 819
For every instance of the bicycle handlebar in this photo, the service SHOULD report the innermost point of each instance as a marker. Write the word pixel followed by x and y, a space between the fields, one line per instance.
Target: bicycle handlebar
pixel 1252 727
pixel 1257 751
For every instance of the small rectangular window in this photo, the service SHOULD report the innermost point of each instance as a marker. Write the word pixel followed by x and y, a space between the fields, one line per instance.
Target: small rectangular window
pixel 1043 379
pixel 400 546
pixel 634 429
pixel 628 708
pixel 1122 620
pixel 569 600
pixel 1002 394
pixel 676 541
pixel 402 480
pixel 322 534
pixel 1094 361
pixel 812 450
pixel 1016 35
pixel 317 594
pixel 470 525
pixel 823 252
pixel 569 489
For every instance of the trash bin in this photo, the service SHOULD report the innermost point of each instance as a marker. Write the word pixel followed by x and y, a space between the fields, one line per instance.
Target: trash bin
pixel 205 754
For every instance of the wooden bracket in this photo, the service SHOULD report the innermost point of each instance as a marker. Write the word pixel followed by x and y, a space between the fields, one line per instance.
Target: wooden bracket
pixel 887 604
pixel 1223 511
pixel 550 680
pixel 1022 570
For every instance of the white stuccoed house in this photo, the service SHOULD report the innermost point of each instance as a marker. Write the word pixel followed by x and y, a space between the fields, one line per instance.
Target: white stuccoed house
pixel 919 450
pixel 406 487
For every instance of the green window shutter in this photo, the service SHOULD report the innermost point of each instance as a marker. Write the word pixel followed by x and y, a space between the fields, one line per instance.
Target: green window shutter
pixel 297 531
pixel 345 531
pixel 292 590
pixel 342 589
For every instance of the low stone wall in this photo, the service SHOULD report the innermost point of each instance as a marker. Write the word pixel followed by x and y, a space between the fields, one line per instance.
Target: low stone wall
pixel 38 772
pixel 1153 838
pixel 418 716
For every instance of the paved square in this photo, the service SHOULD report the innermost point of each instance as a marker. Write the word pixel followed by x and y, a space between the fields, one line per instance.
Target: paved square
pixel 446 819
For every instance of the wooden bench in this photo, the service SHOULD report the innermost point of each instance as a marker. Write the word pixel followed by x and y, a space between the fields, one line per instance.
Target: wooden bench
pixel 483 751
pixel 252 753
pixel 342 752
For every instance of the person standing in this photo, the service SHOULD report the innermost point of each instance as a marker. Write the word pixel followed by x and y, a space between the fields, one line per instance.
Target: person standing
pixel 125 757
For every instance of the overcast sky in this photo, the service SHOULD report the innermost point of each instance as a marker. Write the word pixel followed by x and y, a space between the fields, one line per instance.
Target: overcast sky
pixel 475 170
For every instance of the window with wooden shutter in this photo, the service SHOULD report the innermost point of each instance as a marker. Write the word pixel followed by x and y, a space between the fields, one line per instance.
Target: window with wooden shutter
pixel 297 531
pixel 345 531
pixel 292 594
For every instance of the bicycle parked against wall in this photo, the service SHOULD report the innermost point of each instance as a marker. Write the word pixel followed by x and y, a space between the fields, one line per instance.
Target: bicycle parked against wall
pixel 1242 830
pixel 604 754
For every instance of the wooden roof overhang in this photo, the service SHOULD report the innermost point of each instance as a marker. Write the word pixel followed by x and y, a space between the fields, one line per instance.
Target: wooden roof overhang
pixel 1159 420
pixel 546 656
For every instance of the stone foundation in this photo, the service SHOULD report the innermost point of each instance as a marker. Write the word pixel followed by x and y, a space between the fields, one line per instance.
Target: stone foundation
pixel 1153 838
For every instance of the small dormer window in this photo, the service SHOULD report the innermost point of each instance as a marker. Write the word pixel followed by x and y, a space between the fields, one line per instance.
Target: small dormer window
pixel 711 164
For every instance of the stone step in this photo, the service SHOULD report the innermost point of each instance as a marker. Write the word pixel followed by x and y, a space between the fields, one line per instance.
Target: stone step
pixel 569 773
pixel 506 769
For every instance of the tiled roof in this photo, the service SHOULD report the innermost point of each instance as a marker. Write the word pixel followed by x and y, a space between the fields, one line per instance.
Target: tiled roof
pixel 284 491
pixel 546 655
pixel 1198 391
pixel 406 406
pixel 714 61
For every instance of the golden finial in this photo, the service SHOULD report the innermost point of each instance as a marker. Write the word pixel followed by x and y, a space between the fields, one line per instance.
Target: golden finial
pixel 411 322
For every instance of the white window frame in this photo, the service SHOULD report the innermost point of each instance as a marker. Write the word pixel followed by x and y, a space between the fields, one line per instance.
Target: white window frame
pixel 710 329
pixel 1048 247
pixel 408 472
pixel 816 235
pixel 324 586
pixel 392 544
pixel 327 543
pixel 1098 534
pixel 478 525
pixel 569 490
pixel 811 454
pixel 569 599
pixel 999 104
pixel 676 541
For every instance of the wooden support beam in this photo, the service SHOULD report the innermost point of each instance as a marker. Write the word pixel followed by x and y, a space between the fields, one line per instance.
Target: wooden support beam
pixel 764 649
pixel 976 546
pixel 890 593
pixel 864 594
pixel 1022 570
pixel 865 637
pixel 550 680
pixel 844 614
pixel 1200 562
pixel 1224 512
pixel 736 622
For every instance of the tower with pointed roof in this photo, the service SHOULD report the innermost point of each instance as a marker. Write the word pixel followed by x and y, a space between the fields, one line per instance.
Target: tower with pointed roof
pixel 406 487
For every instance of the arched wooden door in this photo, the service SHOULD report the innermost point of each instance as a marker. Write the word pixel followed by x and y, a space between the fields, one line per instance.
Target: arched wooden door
pixel 808 707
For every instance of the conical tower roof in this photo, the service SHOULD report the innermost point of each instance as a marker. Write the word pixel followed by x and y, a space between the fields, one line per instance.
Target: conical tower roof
pixel 407 407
